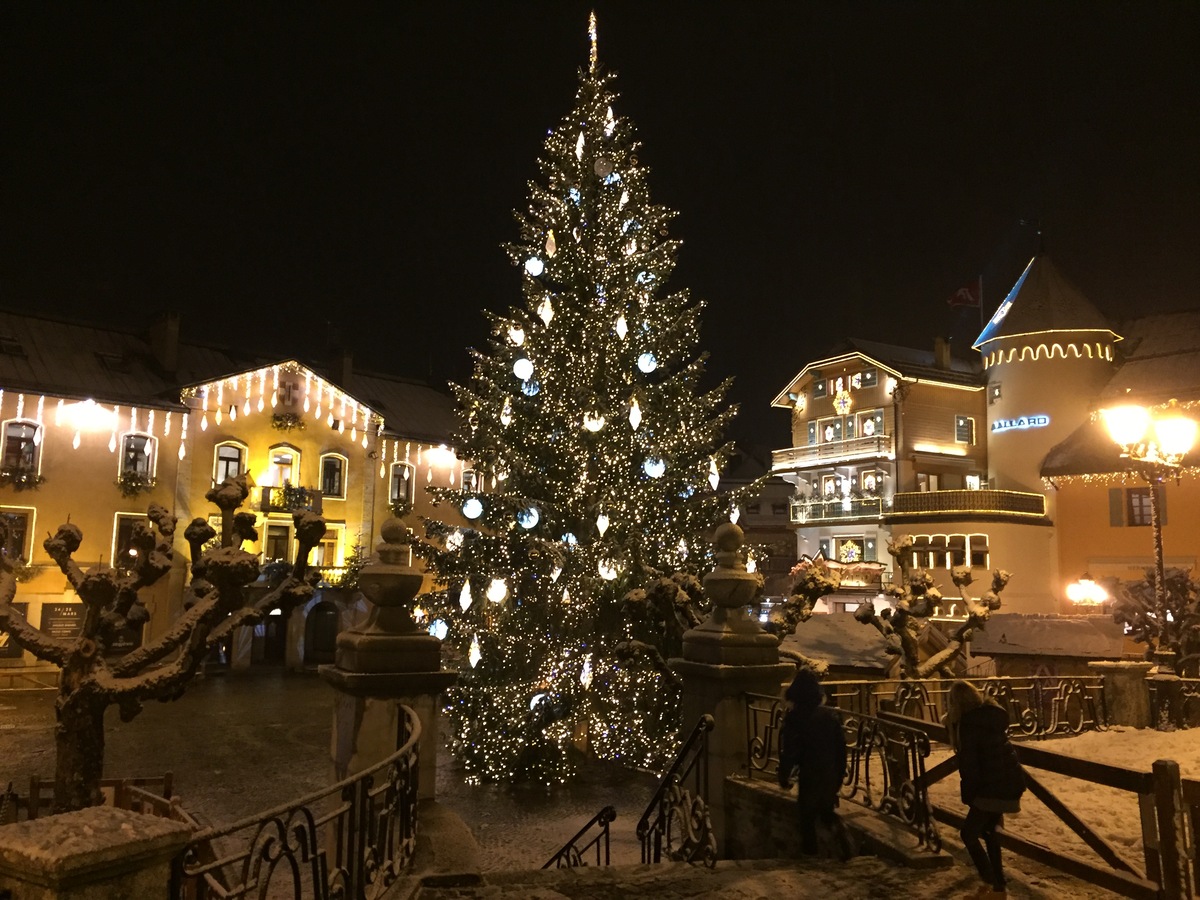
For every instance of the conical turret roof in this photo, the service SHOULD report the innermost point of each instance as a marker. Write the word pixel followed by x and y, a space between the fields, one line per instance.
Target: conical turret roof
pixel 1043 301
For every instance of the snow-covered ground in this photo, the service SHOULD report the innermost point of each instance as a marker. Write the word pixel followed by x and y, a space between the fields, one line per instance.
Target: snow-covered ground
pixel 1113 814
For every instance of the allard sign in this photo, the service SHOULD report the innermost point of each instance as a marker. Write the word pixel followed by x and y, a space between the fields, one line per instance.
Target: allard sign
pixel 1020 422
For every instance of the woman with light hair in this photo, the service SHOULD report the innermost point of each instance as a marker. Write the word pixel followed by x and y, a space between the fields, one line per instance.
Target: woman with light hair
pixel 991 776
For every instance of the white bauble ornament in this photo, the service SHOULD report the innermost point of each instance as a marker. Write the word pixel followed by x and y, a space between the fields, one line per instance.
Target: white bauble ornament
pixel 523 368
pixel 472 508
pixel 497 590
pixel 534 266
pixel 647 362
pixel 655 467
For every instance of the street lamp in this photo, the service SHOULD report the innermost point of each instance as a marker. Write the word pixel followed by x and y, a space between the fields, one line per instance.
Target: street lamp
pixel 1086 592
pixel 1155 442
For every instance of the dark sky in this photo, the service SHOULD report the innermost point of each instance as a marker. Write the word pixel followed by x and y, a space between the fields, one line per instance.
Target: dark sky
pixel 290 174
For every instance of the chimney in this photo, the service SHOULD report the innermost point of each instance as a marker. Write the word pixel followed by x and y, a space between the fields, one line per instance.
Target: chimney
pixel 343 368
pixel 941 353
pixel 163 337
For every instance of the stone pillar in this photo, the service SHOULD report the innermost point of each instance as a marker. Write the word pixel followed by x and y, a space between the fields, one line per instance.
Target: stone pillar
pixel 1126 693
pixel 387 662
pixel 99 853
pixel 723 658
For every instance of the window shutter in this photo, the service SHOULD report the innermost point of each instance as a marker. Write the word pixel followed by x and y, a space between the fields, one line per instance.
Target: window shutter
pixel 1116 507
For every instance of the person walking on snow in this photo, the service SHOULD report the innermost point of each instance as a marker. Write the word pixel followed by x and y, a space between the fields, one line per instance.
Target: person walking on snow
pixel 813 743
pixel 991 778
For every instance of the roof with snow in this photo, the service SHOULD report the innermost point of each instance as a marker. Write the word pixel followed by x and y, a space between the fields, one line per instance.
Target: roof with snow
pixel 1015 634
pixel 840 640
pixel 899 362
pixel 1161 363
pixel 1043 301
pixel 73 359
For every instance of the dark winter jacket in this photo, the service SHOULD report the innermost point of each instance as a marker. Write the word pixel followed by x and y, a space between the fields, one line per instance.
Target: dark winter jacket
pixel 987 762
pixel 813 741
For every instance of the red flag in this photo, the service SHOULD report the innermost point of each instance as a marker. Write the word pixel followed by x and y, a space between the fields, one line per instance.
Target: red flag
pixel 970 295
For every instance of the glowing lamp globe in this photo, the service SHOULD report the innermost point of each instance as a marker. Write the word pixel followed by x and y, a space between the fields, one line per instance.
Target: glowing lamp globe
pixel 472 508
pixel 647 362
pixel 523 368
pixel 1126 425
pixel 534 266
pixel 497 590
pixel 654 467
pixel 1176 434
pixel 528 517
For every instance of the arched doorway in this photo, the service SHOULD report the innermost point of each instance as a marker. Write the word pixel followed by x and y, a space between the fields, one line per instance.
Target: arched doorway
pixel 320 634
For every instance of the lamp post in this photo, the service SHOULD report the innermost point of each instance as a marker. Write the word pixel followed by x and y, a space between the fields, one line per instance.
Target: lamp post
pixel 1155 441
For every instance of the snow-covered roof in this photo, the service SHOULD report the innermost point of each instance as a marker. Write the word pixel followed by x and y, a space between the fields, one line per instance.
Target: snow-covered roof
pixel 899 362
pixel 1043 301
pixel 1016 634
pixel 840 640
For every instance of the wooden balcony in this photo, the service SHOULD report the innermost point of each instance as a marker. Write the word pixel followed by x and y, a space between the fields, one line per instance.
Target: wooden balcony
pixel 805 512
pixel 1018 504
pixel 879 446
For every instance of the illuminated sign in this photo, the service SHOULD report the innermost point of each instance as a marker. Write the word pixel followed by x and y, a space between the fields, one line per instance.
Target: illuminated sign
pixel 1020 422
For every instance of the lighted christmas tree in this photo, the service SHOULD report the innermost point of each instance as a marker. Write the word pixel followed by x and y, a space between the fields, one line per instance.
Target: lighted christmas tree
pixel 596 458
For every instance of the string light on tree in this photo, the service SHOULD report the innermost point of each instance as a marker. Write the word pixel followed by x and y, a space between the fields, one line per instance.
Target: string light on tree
pixel 610 340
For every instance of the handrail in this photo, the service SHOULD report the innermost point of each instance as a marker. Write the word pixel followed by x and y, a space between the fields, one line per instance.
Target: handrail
pixel 357 834
pixel 571 853
pixel 674 804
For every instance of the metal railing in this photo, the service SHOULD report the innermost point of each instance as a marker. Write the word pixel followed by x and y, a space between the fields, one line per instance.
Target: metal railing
pixel 1037 706
pixel 573 853
pixel 801 511
pixel 676 823
pixel 349 841
pixel 986 501
pixel 877 446
pixel 885 763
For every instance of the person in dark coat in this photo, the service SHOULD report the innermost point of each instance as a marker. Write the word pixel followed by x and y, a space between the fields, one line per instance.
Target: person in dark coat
pixel 813 743
pixel 992 779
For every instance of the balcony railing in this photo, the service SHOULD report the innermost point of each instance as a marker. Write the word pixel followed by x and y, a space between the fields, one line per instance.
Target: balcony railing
pixel 804 511
pixel 984 502
pixel 290 499
pixel 874 447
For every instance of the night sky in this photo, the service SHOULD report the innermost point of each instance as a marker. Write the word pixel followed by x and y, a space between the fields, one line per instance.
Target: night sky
pixel 287 176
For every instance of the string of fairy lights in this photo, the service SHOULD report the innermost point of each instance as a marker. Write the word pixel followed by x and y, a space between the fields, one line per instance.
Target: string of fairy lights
pixel 598 460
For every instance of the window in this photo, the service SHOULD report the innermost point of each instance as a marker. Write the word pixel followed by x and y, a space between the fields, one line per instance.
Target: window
pixel 964 430
pixel 403 483
pixel 1131 506
pixel 277 542
pixel 19 521
pixel 123 553
pixel 230 462
pixel 470 480
pixel 831 430
pixel 285 465
pixel 328 552
pixel 138 455
pixel 944 551
pixel 870 423
pixel 973 482
pixel 1137 506
pixel 21 439
pixel 333 475
pixel 994 392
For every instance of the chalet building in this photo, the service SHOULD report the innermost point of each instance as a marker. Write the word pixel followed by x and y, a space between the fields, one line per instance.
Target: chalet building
pixel 98 423
pixel 998 461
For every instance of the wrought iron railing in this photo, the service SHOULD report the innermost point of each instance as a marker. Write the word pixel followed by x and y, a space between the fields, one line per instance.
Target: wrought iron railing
pixel 676 824
pixel 802 511
pixel 885 763
pixel 350 841
pixel 1037 706
pixel 573 853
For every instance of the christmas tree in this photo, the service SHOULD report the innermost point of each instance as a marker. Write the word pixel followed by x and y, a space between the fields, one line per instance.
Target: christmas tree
pixel 596 461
